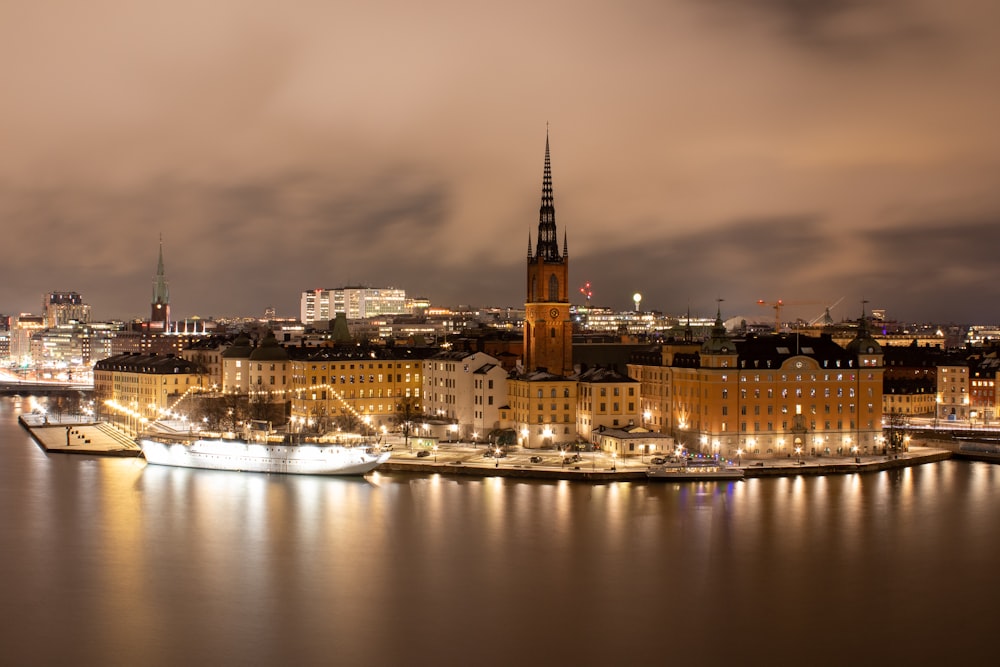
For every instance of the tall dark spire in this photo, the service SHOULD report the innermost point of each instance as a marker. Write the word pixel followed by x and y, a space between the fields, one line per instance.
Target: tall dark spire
pixel 161 292
pixel 547 248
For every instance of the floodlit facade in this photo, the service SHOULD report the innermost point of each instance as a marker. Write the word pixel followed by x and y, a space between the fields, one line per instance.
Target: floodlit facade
pixel 320 305
pixel 130 388
pixel 466 388
pixel 771 395
pixel 351 386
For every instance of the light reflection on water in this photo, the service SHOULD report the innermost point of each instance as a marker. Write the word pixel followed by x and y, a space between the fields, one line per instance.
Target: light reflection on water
pixel 110 561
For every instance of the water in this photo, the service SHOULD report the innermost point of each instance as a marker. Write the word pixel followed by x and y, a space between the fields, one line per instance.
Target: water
pixel 106 561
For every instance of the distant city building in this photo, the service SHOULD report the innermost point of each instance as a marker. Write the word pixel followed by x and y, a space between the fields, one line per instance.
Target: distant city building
pixel 953 399
pixel 321 305
pixel 22 328
pixel 61 308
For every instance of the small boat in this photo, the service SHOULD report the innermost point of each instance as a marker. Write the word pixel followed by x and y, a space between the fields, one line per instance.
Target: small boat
pixel 268 453
pixel 701 470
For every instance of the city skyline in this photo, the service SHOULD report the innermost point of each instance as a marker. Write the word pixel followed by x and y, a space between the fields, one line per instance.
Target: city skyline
pixel 810 152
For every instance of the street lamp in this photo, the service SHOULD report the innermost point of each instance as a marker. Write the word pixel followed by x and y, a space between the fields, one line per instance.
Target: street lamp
pixel 496 456
pixel 614 461
pixel 739 457
pixel 798 457
pixel 435 448
pixel 562 452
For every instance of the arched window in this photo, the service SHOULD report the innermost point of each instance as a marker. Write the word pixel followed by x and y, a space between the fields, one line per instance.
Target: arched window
pixel 534 289
pixel 553 288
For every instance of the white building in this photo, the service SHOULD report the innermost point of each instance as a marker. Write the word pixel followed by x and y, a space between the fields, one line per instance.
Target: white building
pixel 356 303
pixel 467 388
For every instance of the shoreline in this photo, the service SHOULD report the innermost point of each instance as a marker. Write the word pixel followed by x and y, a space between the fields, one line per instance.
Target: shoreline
pixel 86 437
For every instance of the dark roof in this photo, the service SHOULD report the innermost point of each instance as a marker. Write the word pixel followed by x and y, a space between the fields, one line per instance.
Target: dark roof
pixel 151 364
pixel 269 350
pixel 772 350
pixel 599 375
pixel 360 353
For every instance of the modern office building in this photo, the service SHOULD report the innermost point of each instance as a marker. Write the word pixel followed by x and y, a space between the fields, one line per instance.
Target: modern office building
pixel 60 308
pixel 356 303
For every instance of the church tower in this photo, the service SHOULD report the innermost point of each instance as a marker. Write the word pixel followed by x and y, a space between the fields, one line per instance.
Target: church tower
pixel 548 331
pixel 160 312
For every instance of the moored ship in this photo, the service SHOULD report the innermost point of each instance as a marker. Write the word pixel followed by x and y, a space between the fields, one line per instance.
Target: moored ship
pixel 701 470
pixel 264 453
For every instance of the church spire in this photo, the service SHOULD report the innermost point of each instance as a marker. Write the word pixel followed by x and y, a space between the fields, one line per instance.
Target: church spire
pixel 161 292
pixel 547 247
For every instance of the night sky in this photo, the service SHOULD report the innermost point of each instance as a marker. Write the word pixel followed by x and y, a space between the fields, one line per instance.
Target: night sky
pixel 814 151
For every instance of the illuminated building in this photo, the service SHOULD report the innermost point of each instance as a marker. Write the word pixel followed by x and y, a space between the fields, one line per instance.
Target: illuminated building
pixel 466 388
pixel 320 305
pixel 347 386
pixel 129 388
pixel 769 395
pixel 605 399
pixel 62 308
pixel 541 404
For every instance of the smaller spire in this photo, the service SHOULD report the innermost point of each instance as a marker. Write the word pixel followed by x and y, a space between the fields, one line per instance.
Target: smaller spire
pixel 565 245
pixel 529 244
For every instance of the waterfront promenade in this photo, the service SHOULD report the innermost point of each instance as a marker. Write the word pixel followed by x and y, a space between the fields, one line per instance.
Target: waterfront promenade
pixel 78 435
pixel 74 436
pixel 466 459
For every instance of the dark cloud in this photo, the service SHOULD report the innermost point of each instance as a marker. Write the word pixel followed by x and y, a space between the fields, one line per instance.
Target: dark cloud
pixel 228 247
pixel 845 28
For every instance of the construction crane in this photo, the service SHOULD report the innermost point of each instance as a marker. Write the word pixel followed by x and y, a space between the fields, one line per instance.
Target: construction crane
pixel 781 303
pixel 826 312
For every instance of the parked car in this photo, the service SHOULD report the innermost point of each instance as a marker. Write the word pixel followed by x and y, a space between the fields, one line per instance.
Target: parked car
pixel 535 459
pixel 657 460
pixel 573 458
pixel 422 453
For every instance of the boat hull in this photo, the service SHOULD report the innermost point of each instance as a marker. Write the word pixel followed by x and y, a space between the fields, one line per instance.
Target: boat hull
pixel 237 455
pixel 695 473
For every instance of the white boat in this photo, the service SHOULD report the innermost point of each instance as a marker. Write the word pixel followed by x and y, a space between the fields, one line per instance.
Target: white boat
pixel 701 470
pixel 269 454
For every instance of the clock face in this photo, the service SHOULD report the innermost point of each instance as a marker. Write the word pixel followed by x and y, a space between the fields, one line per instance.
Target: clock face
pixel 553 313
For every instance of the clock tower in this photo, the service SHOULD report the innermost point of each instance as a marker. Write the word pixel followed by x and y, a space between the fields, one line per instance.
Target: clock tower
pixel 548 331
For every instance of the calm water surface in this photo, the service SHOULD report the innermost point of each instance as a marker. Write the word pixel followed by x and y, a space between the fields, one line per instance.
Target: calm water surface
pixel 106 561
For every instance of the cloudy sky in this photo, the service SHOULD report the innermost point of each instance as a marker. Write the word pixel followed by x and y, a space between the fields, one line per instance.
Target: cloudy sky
pixel 816 151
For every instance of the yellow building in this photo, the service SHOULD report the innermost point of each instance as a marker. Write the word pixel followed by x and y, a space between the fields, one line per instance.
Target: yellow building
pixel 130 389
pixel 350 387
pixel 541 407
pixel 606 399
pixel 770 395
